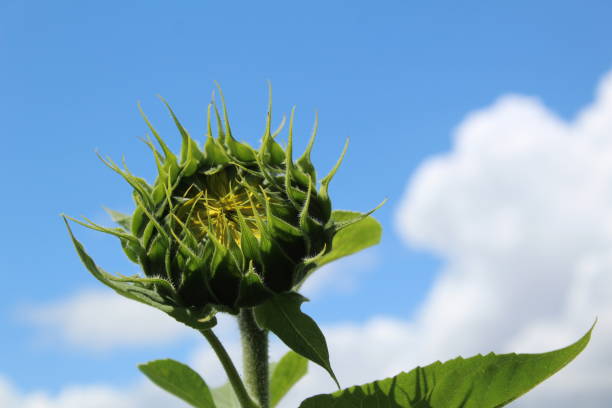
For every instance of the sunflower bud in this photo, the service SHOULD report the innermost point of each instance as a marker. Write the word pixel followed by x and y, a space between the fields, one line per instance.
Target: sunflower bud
pixel 224 226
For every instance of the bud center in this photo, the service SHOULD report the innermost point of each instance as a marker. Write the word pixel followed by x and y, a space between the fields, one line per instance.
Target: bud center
pixel 219 215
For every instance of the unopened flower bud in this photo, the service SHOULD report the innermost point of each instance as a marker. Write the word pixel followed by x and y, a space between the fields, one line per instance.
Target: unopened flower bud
pixel 225 226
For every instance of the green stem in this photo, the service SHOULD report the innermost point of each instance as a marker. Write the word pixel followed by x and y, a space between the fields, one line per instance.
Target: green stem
pixel 232 374
pixel 255 357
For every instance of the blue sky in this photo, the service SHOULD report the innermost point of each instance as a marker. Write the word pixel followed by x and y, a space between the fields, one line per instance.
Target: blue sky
pixel 396 77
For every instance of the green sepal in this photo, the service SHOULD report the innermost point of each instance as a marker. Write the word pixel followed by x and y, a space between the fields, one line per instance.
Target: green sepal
pixel 296 173
pixel 240 151
pixel 477 382
pixel 284 237
pixel 157 249
pixel 141 188
pixel 167 152
pixel 275 262
pixel 294 195
pixel 195 289
pixel 276 153
pixel 145 292
pixel 270 152
pixel 327 179
pixel 277 266
pixel 159 160
pixel 308 226
pixel 147 234
pixel 279 228
pixel 220 125
pixel 194 159
pixel 225 285
pixel 173 170
pixel 117 232
pixel 252 291
pixel 304 162
pixel 138 222
pixel 190 153
pixel 215 154
pixel 133 250
pixel 293 174
pixel 218 255
pixel 324 190
pixel 282 230
pixel 248 242
pixel 158 194
pixel 165 287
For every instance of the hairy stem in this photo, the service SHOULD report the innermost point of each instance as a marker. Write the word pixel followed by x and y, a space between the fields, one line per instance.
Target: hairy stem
pixel 232 374
pixel 255 357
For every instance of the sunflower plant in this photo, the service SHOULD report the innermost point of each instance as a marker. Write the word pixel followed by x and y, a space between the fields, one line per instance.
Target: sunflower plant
pixel 226 228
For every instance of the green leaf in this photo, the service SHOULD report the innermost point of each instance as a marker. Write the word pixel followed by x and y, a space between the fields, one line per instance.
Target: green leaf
pixel 180 380
pixel 353 238
pixel 285 374
pixel 489 381
pixel 225 397
pixel 281 314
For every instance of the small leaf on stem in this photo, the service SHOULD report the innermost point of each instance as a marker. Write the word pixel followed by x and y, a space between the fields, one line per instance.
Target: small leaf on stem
pixel 285 374
pixel 281 315
pixel 179 380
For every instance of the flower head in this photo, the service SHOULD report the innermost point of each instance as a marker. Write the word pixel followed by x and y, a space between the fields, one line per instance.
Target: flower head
pixel 224 226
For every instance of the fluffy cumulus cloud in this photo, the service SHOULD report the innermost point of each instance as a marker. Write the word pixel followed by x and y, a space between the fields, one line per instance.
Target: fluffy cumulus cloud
pixel 93 396
pixel 101 320
pixel 521 210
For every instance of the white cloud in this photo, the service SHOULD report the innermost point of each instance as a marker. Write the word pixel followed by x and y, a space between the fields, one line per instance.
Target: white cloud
pixel 142 395
pixel 521 209
pixel 101 320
